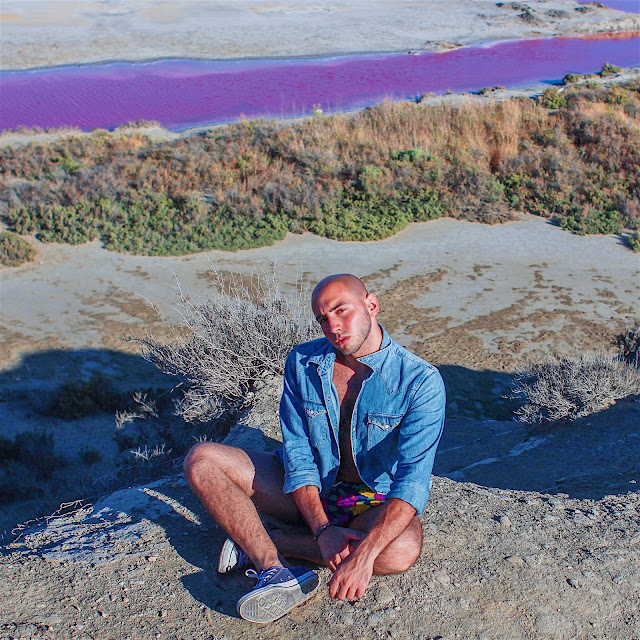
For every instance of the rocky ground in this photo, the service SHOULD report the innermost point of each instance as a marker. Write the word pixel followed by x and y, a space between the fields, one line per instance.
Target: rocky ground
pixel 530 532
pixel 45 32
pixel 497 564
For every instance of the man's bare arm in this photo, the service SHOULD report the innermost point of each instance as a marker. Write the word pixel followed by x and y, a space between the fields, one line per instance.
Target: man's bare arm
pixel 334 541
pixel 353 575
pixel 307 500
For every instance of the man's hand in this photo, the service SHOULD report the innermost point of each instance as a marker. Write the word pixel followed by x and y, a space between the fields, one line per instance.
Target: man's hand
pixel 352 577
pixel 334 544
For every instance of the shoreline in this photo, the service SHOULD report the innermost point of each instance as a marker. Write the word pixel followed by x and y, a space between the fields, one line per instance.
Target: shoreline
pixel 605 35
pixel 159 133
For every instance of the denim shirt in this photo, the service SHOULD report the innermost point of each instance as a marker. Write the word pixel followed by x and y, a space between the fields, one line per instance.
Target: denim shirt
pixel 396 424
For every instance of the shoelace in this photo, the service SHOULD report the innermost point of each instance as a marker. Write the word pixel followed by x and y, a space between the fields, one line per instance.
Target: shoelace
pixel 263 576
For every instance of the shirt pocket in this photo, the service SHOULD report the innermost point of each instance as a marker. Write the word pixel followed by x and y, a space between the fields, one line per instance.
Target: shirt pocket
pixel 318 421
pixel 381 426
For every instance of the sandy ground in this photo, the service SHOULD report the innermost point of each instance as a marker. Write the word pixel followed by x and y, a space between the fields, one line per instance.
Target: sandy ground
pixel 46 32
pixel 475 300
pixel 505 292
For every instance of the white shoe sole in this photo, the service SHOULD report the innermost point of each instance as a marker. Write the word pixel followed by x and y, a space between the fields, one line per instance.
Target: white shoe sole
pixel 273 601
pixel 228 560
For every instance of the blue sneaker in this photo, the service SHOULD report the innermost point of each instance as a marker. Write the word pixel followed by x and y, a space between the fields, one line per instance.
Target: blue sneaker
pixel 279 590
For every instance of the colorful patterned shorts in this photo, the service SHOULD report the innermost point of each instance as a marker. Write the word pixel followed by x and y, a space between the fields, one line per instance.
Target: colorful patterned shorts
pixel 346 500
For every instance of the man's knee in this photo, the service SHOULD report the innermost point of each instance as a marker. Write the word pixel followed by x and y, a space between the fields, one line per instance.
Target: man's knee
pixel 203 457
pixel 404 551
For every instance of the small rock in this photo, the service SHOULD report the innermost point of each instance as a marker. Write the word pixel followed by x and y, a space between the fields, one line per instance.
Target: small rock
pixel 347 618
pixel 573 582
pixel 441 577
pixel 504 521
pixel 384 595
pixel 52 619
pixel 25 631
pixel 374 619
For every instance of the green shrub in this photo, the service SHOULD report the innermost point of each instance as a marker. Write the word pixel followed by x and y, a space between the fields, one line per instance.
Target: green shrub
pixel 618 95
pixel 633 240
pixel 572 78
pixel 89 456
pixel 595 221
pixel 75 400
pixel 412 155
pixel 33 449
pixel 553 99
pixel 610 70
pixel 360 217
pixel 15 250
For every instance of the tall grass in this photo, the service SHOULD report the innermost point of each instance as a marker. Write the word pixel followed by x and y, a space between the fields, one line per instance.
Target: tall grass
pixel 350 177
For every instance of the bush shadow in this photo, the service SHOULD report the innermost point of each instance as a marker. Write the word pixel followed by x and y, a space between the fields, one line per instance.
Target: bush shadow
pixel 589 457
pixel 48 404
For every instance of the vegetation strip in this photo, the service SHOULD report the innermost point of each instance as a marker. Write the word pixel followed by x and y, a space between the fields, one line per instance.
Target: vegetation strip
pixel 573 156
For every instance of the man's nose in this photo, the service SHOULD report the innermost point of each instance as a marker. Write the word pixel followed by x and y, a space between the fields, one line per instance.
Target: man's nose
pixel 334 324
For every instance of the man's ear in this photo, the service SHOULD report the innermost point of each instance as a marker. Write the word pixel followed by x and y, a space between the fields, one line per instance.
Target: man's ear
pixel 373 306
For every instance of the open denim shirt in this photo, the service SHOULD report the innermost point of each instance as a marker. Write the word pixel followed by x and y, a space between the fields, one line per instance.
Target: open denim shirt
pixel 396 424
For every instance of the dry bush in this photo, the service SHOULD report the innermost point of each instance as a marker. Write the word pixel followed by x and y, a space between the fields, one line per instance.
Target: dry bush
pixel 360 176
pixel 227 342
pixel 628 343
pixel 573 387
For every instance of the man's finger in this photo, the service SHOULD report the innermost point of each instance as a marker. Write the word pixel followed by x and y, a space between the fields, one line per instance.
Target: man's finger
pixel 333 587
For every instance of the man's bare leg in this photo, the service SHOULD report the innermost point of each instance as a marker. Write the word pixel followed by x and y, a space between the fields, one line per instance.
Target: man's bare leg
pixel 234 485
pixel 398 556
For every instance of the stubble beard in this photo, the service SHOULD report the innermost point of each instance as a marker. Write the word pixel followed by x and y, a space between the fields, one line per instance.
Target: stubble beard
pixel 358 339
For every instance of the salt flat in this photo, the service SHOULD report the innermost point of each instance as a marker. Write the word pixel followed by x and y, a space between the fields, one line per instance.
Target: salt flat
pixel 43 33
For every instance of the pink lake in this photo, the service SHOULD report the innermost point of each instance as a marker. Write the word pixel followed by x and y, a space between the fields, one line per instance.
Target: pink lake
pixel 187 93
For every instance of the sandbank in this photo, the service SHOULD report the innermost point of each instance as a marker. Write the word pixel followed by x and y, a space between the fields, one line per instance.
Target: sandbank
pixel 44 33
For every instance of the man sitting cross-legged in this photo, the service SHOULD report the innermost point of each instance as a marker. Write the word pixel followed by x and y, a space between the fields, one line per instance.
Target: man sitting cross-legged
pixel 361 418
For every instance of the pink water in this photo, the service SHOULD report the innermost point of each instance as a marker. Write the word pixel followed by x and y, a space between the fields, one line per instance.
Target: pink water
pixel 186 93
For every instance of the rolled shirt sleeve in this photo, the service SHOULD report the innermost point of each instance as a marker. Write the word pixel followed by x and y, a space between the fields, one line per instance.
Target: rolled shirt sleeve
pixel 418 438
pixel 300 465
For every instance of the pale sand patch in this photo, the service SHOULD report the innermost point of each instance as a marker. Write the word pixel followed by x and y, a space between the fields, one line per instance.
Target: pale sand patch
pixel 44 33
pixel 456 292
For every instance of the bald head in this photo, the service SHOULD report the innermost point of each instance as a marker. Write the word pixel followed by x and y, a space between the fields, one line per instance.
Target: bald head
pixel 352 284
pixel 346 312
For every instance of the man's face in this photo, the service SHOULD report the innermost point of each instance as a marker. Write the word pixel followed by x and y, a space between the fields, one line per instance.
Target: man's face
pixel 346 317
